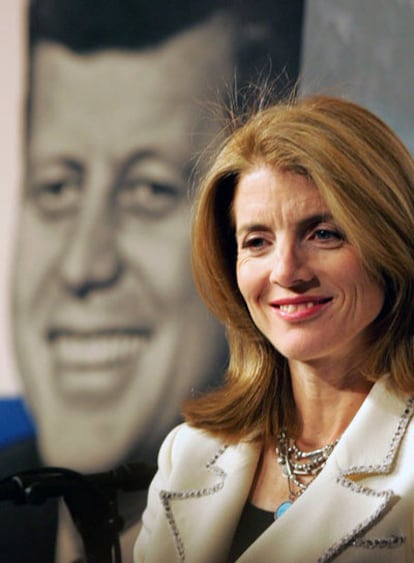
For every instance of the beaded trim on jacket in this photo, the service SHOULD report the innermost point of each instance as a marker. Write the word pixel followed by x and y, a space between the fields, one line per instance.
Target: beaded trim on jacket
pixel 343 479
pixel 384 468
pixel 167 496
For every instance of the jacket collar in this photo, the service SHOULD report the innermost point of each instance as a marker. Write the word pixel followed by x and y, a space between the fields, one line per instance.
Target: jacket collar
pixel 337 502
pixel 203 517
pixel 203 529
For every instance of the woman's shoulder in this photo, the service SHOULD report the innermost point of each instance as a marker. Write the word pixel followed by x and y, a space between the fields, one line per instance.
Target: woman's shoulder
pixel 185 436
pixel 185 443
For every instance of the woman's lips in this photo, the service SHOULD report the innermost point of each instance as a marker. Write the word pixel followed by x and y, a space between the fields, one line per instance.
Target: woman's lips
pixel 300 309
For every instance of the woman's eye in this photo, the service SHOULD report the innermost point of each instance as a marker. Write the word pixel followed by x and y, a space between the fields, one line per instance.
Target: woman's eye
pixel 254 243
pixel 148 198
pixel 331 236
pixel 325 234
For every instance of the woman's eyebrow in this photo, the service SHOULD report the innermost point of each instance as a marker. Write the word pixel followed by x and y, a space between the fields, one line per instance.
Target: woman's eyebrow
pixel 251 228
pixel 303 223
pixel 315 219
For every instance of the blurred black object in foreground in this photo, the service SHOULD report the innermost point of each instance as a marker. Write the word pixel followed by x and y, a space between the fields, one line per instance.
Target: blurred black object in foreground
pixel 91 500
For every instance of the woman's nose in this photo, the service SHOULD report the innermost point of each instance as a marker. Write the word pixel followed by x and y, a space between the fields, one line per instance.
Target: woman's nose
pixel 290 266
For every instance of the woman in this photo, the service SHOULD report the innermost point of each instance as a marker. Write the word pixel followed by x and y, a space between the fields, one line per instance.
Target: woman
pixel 303 246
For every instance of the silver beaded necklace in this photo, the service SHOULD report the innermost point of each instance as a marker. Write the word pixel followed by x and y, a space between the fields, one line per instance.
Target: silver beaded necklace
pixel 297 465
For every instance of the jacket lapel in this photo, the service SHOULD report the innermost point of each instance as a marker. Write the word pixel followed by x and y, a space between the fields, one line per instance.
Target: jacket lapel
pixel 203 516
pixel 337 507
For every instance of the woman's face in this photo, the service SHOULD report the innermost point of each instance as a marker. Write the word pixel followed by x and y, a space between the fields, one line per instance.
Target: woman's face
pixel 303 283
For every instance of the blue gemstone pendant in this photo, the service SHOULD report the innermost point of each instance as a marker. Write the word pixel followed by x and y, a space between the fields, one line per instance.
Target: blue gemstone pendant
pixel 281 509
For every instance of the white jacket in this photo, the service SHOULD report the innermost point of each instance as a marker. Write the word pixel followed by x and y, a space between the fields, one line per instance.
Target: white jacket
pixel 359 509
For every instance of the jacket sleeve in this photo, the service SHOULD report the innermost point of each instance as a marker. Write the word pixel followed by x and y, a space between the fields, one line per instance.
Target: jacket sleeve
pixel 154 508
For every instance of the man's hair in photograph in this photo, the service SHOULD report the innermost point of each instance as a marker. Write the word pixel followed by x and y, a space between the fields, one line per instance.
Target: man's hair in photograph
pixel 270 29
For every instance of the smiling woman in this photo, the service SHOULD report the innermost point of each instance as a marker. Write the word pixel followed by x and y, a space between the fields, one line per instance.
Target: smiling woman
pixel 296 272
pixel 303 248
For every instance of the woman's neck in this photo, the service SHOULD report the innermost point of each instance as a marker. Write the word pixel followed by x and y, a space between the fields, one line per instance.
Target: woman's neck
pixel 327 399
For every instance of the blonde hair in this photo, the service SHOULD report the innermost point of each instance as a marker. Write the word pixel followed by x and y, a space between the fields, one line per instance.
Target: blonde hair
pixel 366 176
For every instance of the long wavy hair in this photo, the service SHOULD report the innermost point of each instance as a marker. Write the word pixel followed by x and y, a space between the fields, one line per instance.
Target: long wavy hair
pixel 366 176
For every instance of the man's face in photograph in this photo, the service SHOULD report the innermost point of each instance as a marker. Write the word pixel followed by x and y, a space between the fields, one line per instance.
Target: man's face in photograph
pixel 110 334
